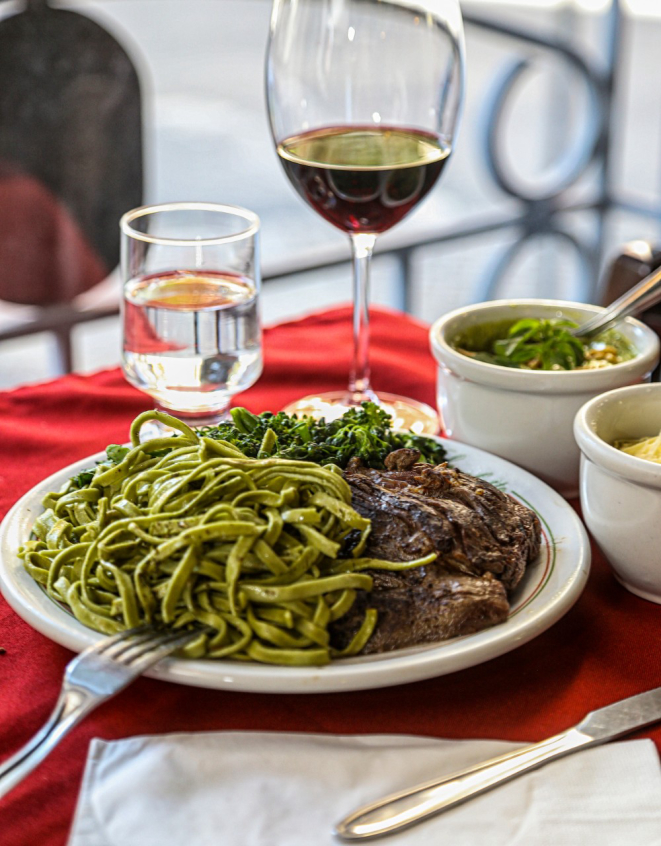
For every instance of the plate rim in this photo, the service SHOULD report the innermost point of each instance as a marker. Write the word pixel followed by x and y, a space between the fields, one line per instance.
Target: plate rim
pixel 359 673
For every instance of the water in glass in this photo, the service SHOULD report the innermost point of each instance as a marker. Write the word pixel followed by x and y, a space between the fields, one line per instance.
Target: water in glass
pixel 191 339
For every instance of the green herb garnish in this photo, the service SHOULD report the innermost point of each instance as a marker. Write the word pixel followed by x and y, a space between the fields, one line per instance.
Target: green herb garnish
pixel 364 431
pixel 536 345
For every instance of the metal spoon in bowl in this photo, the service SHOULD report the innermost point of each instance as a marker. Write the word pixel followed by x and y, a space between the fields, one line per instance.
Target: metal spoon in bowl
pixel 642 296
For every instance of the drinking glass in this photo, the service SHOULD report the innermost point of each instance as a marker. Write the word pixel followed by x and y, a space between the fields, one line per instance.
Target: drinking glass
pixel 190 310
pixel 363 99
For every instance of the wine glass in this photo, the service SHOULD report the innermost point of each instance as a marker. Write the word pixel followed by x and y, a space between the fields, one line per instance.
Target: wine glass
pixel 190 310
pixel 363 100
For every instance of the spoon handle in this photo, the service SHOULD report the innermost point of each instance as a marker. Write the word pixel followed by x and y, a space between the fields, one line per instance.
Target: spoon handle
pixel 641 297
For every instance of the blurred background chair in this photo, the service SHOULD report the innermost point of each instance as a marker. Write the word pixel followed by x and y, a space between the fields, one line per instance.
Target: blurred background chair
pixel 70 165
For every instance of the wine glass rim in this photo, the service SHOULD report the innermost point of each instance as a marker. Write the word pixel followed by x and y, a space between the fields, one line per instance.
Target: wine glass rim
pixel 143 211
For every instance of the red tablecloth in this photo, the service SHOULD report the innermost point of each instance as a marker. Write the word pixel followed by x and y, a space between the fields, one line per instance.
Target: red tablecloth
pixel 605 648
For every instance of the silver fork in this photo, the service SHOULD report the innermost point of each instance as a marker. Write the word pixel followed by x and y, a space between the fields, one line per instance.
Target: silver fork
pixel 90 678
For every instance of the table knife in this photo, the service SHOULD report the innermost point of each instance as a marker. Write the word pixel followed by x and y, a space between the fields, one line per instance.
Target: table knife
pixel 408 807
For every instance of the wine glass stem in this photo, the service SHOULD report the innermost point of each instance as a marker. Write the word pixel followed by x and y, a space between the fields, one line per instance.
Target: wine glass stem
pixel 362 245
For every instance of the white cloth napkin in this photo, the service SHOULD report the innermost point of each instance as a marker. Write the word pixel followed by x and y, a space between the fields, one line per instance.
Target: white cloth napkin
pixel 262 789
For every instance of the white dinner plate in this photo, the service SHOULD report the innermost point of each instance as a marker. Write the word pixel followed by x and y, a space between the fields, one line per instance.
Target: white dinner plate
pixel 549 588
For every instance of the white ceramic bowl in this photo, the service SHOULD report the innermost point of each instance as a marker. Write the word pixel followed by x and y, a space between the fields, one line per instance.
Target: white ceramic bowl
pixel 526 416
pixel 620 493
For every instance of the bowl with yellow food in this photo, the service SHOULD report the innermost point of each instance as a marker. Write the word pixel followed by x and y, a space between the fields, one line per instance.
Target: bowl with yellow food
pixel 619 436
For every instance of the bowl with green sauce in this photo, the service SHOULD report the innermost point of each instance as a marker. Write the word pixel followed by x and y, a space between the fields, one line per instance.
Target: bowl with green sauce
pixel 511 378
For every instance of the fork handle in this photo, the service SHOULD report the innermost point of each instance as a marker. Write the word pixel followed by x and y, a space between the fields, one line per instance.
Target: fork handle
pixel 72 705
pixel 411 806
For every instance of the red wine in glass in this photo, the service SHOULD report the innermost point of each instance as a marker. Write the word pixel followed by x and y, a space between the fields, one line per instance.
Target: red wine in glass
pixel 363 178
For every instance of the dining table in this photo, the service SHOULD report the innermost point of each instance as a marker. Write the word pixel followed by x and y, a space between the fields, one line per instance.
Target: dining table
pixel 606 647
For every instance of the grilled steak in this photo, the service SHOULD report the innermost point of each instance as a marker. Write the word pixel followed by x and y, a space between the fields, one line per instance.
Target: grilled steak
pixel 484 540
pixel 436 608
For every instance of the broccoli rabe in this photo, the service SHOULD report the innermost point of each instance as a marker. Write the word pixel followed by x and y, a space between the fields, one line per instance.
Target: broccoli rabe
pixel 364 431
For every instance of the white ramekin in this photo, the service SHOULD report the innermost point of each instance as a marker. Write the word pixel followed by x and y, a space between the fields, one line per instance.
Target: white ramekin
pixel 526 416
pixel 620 493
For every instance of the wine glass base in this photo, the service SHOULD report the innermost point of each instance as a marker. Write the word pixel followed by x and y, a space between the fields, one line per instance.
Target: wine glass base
pixel 418 417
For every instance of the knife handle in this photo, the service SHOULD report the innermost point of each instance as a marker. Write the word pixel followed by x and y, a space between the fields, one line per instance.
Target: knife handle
pixel 401 810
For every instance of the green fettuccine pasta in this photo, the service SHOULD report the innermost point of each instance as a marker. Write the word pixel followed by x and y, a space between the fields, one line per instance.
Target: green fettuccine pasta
pixel 187 532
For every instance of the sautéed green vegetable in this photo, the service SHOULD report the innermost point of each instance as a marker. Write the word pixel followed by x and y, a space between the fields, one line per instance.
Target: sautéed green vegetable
pixel 535 344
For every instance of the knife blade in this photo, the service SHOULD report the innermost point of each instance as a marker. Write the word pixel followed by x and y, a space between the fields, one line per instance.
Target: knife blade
pixel 408 807
pixel 622 717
